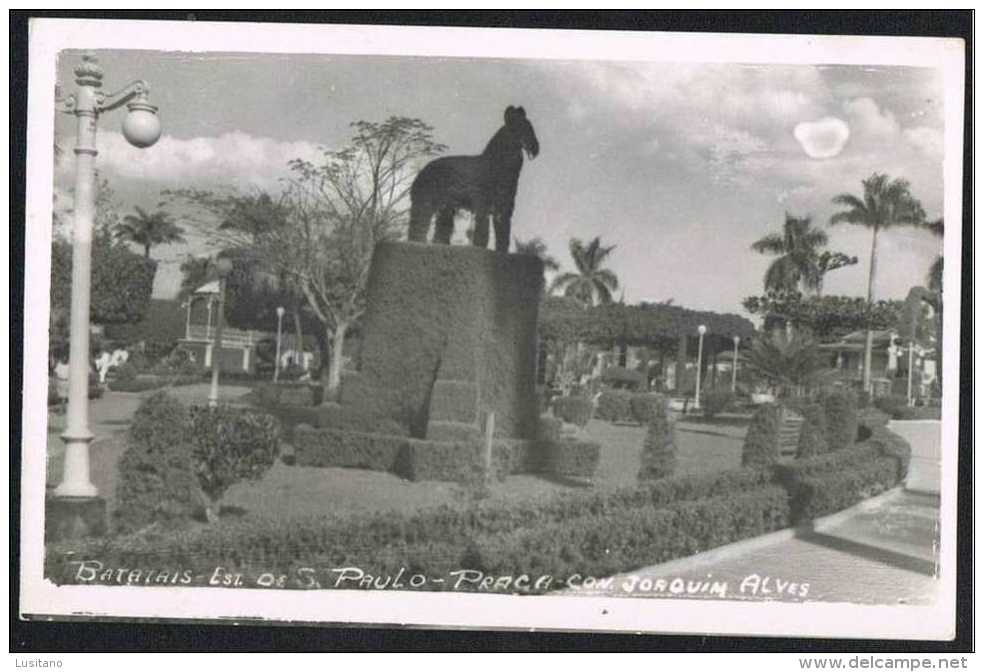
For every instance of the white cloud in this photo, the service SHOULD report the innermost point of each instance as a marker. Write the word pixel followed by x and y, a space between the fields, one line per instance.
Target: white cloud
pixel 822 139
pixel 925 139
pixel 231 159
pixel 869 121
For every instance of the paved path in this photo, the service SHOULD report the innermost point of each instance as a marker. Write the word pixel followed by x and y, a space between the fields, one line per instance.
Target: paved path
pixel 882 552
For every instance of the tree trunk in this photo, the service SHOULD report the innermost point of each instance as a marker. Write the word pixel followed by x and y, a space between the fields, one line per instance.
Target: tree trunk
pixel 333 375
pixel 869 334
pixel 300 336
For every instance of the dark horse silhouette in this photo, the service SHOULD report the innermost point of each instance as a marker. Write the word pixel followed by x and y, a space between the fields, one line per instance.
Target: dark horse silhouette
pixel 483 184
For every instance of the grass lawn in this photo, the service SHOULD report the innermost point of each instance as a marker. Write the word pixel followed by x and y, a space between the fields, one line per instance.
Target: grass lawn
pixel 289 490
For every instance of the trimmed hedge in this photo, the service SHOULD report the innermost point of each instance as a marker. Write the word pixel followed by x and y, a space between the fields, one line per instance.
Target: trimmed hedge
pixel 838 480
pixel 615 406
pixel 647 407
pixel 897 408
pixel 715 400
pixel 417 459
pixel 586 532
pixel 812 440
pixel 841 416
pixel 660 448
pixel 230 445
pixel 573 410
pixel 596 533
pixel 328 447
pixel 761 447
pixel 567 458
pixel 156 481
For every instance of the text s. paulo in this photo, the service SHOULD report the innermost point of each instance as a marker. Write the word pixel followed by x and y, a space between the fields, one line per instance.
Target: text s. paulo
pixel 95 572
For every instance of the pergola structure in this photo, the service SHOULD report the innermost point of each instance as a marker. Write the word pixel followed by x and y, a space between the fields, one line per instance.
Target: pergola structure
pixel 662 327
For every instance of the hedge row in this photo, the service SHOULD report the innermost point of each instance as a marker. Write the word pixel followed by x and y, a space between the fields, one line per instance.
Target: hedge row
pixel 585 532
pixel 421 460
pixel 625 406
pixel 897 407
pixel 597 533
pixel 838 480
pixel 573 410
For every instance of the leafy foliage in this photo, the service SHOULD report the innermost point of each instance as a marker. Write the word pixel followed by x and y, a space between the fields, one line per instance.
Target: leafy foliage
pixel 590 283
pixel 715 400
pixel 230 445
pixel 828 317
pixel 642 324
pixel 156 483
pixel 615 406
pixel 573 410
pixel 660 447
pixel 841 418
pixel 786 362
pixel 761 448
pixel 149 229
pixel 121 282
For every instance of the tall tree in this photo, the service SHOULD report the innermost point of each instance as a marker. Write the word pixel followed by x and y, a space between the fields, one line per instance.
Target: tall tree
pixel 797 252
pixel 885 203
pixel 149 229
pixel 590 284
pixel 337 211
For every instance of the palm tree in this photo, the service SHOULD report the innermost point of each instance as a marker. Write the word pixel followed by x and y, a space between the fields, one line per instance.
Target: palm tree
pixel 591 283
pixel 885 204
pixel 535 247
pixel 797 262
pixel 787 362
pixel 146 229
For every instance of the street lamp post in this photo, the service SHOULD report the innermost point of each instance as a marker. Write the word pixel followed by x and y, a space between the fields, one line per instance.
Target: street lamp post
pixel 734 366
pixel 701 330
pixel 141 128
pixel 223 267
pixel 280 322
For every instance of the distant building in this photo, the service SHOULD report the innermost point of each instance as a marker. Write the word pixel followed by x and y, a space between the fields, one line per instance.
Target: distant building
pixel 889 363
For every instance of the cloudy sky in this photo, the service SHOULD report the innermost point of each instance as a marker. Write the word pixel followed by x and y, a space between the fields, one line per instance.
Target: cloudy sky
pixel 681 165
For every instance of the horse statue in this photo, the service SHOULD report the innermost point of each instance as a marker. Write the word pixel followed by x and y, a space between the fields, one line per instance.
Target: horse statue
pixel 485 185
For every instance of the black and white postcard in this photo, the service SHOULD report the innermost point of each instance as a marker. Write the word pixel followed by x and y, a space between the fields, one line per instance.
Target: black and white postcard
pixel 492 328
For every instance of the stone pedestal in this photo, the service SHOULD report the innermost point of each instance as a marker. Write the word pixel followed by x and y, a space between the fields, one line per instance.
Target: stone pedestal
pixel 68 518
pixel 450 335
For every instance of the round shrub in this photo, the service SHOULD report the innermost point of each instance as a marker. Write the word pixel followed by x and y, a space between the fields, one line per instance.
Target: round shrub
pixel 229 445
pixel 660 447
pixel 715 400
pixel 573 410
pixel 614 406
pixel 841 416
pixel 645 407
pixel 125 372
pixel 761 447
pixel 156 483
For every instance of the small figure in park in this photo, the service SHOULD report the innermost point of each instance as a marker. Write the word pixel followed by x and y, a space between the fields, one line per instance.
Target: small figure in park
pixel 485 185
pixel 61 384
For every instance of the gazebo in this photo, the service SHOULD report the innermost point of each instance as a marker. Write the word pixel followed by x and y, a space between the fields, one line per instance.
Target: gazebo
pixel 237 350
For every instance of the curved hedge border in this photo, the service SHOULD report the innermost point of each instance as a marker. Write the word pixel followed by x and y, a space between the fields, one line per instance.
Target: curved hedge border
pixel 591 533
